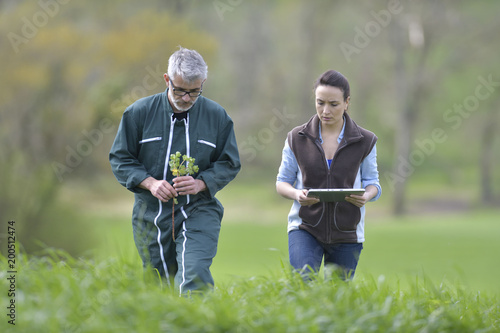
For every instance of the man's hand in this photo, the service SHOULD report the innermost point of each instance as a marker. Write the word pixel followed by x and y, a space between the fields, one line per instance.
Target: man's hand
pixel 160 189
pixel 188 185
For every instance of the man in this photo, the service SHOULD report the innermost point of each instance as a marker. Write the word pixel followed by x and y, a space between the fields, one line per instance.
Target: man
pixel 151 129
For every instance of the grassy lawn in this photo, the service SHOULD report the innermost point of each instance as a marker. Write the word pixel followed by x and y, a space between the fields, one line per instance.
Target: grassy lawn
pixel 459 247
pixel 454 247
pixel 57 293
pixel 422 273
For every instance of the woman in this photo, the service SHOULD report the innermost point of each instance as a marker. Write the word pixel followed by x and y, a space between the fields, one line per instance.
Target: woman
pixel 329 151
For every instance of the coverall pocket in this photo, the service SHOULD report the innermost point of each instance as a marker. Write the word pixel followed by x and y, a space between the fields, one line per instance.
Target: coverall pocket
pixel 150 152
pixel 204 151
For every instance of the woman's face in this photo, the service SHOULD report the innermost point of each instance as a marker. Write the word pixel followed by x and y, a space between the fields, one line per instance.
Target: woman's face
pixel 330 105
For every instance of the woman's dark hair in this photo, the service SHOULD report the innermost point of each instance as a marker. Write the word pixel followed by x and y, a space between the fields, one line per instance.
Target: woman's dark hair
pixel 334 79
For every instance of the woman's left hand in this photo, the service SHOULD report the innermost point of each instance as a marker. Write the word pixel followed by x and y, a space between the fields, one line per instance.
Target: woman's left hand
pixel 358 200
pixel 371 192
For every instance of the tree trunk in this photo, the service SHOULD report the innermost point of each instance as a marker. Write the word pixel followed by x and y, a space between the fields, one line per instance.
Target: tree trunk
pixel 486 160
pixel 410 92
pixel 403 132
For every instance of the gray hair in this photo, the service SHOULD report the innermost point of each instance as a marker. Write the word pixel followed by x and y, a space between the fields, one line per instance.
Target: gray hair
pixel 188 64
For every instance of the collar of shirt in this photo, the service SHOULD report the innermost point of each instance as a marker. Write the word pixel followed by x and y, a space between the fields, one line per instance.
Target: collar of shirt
pixel 180 115
pixel 341 135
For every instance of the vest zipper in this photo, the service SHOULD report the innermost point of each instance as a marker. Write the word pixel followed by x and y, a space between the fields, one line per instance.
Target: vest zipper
pixel 328 182
pixel 330 211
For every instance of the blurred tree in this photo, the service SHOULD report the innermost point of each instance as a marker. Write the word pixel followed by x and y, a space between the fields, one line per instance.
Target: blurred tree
pixel 408 41
pixel 69 72
pixel 409 69
pixel 485 54
pixel 488 143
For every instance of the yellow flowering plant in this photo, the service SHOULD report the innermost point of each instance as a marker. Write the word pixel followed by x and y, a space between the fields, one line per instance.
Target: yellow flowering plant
pixel 178 168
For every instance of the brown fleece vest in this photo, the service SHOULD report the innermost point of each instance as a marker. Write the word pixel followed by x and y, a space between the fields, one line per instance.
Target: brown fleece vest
pixel 330 222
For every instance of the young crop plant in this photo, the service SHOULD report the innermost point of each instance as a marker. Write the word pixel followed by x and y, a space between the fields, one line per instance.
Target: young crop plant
pixel 178 168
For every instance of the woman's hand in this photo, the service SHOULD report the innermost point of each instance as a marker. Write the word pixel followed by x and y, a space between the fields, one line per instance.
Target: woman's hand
pixel 304 200
pixel 357 200
pixel 286 190
pixel 360 200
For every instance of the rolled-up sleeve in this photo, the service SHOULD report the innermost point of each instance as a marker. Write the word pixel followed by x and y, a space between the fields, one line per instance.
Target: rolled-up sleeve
pixel 369 172
pixel 289 167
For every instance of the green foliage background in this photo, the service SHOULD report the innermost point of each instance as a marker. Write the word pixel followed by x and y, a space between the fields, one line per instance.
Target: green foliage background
pixel 70 68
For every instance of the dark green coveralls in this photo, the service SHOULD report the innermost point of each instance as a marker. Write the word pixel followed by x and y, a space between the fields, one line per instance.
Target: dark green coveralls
pixel 146 137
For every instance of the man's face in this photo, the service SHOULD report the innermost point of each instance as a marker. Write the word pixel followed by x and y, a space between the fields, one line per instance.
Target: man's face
pixel 182 95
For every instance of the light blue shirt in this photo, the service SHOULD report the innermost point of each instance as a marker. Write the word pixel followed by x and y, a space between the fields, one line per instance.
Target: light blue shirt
pixel 289 172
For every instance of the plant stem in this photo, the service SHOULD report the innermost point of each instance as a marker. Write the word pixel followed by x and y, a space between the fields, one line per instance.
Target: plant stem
pixel 173 223
pixel 173 206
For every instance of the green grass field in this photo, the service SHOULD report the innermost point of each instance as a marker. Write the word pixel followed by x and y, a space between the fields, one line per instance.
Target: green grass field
pixel 432 272
pixel 459 247
pixel 441 248
pixel 58 293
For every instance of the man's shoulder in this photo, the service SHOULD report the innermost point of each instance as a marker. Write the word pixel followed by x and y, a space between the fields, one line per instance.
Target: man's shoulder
pixel 211 106
pixel 212 111
pixel 145 108
pixel 147 103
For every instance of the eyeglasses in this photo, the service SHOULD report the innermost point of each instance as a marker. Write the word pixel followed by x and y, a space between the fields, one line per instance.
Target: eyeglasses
pixel 182 92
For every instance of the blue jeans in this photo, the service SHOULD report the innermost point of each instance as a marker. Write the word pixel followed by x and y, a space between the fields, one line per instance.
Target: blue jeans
pixel 306 254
